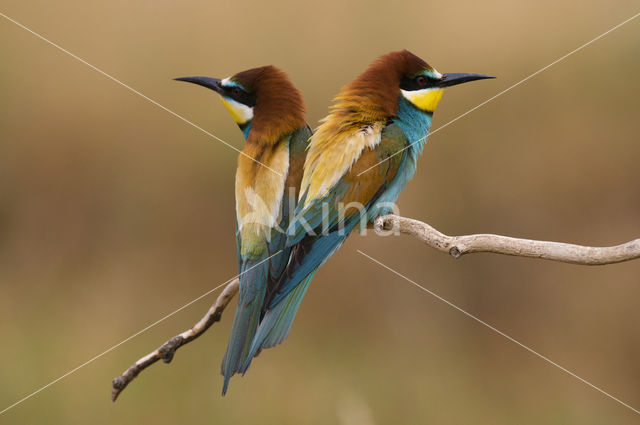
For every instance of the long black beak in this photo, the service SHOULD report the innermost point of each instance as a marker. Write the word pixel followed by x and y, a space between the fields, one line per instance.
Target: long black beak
pixel 210 83
pixel 459 78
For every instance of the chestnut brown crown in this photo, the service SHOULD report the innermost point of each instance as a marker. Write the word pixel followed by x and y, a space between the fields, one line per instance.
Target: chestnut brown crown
pixel 279 107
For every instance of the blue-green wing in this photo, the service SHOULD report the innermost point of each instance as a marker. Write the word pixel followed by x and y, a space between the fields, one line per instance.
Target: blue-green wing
pixel 331 229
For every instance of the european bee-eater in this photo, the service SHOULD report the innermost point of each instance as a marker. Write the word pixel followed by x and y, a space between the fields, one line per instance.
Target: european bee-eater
pixel 270 112
pixel 386 110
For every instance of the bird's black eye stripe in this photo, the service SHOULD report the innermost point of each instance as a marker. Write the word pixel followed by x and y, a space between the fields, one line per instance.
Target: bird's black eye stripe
pixel 241 96
pixel 419 82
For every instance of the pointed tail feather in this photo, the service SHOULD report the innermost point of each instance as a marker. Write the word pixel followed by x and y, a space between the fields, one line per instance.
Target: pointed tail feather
pixel 307 256
pixel 276 324
pixel 253 284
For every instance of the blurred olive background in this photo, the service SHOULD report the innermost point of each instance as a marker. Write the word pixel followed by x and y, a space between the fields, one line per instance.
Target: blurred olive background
pixel 114 213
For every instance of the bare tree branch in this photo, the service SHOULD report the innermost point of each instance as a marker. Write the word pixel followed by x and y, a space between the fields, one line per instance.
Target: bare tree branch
pixel 169 348
pixel 457 246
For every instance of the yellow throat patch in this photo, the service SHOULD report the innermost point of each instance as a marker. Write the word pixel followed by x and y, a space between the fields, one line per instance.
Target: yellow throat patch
pixel 240 113
pixel 425 99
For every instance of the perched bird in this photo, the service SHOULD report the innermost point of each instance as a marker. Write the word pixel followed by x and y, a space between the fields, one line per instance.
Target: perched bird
pixel 379 120
pixel 270 112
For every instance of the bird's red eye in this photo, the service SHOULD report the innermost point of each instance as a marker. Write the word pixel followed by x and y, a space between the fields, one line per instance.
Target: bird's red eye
pixel 422 81
pixel 236 91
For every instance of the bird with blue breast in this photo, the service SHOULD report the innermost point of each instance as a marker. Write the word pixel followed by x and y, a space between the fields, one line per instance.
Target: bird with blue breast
pixel 363 153
pixel 271 115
